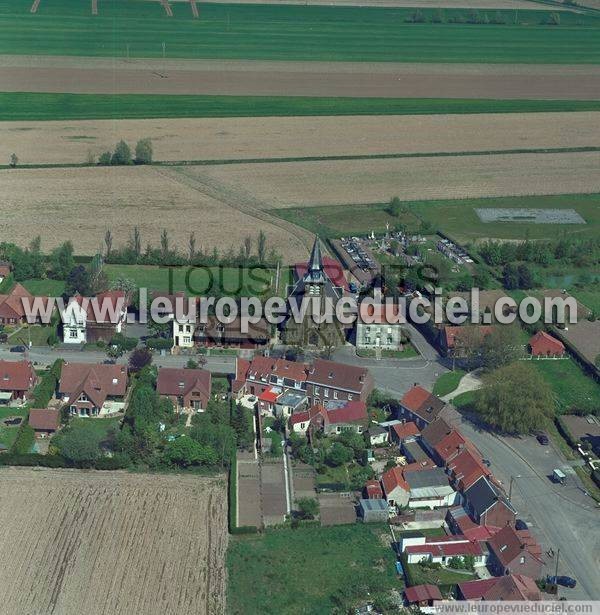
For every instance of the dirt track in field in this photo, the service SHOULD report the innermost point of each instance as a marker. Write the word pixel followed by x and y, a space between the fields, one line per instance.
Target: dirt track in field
pixel 80 204
pixel 382 80
pixel 250 138
pixel 367 181
pixel 96 543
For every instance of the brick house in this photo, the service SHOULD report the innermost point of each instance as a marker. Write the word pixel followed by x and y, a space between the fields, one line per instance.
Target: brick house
pixel 92 390
pixel 263 373
pixel 514 552
pixel 487 505
pixel 12 310
pixel 544 345
pixel 423 407
pixel 328 380
pixel 466 468
pixel 332 418
pixel 186 388
pixel 455 341
pixel 514 587
pixel 395 487
pixel 17 378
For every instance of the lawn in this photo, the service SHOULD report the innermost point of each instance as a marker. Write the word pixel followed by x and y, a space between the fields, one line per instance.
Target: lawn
pixel 200 281
pixel 50 106
pixel 407 353
pixel 444 576
pixel 447 382
pixel 573 389
pixel 45 287
pixel 38 335
pixel 9 434
pixel 100 426
pixel 309 570
pixel 589 296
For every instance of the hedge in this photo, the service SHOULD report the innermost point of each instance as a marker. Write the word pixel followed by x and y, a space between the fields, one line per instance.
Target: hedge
pixel 596 477
pixel 244 529
pixel 24 441
pixel 565 432
pixel 58 461
pixel 45 389
pixel 159 343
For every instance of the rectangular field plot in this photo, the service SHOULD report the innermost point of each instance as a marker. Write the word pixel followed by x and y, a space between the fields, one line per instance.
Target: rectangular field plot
pixel 90 542
pixel 534 216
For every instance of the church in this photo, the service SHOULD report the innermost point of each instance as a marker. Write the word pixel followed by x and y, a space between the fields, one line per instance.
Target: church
pixel 318 284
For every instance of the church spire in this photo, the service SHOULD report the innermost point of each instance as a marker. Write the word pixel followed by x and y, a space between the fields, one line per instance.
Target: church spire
pixel 315 264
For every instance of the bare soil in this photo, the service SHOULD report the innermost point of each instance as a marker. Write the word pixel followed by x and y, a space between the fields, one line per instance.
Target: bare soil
pixel 84 75
pixel 252 138
pixel 81 204
pixel 367 181
pixel 78 542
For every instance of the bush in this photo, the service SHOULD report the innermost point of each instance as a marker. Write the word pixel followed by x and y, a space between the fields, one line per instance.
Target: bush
pixel 104 158
pixel 244 529
pixel 24 441
pixel 143 151
pixel 123 342
pixel 45 389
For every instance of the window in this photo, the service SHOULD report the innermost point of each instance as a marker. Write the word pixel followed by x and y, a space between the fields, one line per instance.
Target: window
pixel 326 392
pixel 522 560
pixel 349 397
pixel 180 328
pixel 302 425
pixel 73 333
pixel 187 339
pixel 317 390
pixel 335 395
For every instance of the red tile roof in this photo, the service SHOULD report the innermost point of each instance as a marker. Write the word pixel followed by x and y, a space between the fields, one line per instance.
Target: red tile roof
pixel 544 344
pixel 46 419
pixel 467 467
pixel 261 368
pixel 180 381
pixel 424 404
pixel 11 304
pixel 373 489
pixel 405 430
pixel 352 412
pixel 451 546
pixel 269 395
pixel 453 334
pixel 450 445
pixel 332 269
pixel 393 478
pixel 97 381
pixel 509 587
pixel 104 308
pixel 16 375
pixel 415 397
pixel 507 544
pixel 422 593
pixel 475 590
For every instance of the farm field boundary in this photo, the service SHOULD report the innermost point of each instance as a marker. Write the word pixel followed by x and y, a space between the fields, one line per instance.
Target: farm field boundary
pixel 24 106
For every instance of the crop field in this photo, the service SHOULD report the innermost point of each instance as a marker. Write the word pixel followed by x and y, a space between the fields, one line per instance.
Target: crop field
pixel 295 137
pixel 335 182
pixel 80 204
pixel 88 542
pixel 295 32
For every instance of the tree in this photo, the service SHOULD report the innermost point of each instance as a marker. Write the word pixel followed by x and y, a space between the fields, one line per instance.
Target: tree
pixel 140 358
pixel 515 399
pixel 248 246
pixel 308 508
pixel 125 284
pixel 338 454
pixel 36 257
pixel 143 151
pixel 108 242
pixel 501 347
pixel 79 444
pixel 122 154
pixel 184 452
pixel 78 282
pixel 261 247
pixel 192 246
pixel 104 159
pixel 135 242
pixel 61 261
pixel 13 161
pixel 395 207
pixel 510 276
pixel 164 244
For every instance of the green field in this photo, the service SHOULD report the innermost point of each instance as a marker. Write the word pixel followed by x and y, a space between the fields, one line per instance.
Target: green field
pixel 309 570
pixel 213 281
pixel 456 218
pixel 45 287
pixel 40 106
pixel 573 389
pixel 64 27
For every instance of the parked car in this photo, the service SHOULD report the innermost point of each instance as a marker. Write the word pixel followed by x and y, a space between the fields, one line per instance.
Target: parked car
pixel 109 362
pixel 487 462
pixel 520 525
pixel 562 580
pixel 543 439
pixel 18 349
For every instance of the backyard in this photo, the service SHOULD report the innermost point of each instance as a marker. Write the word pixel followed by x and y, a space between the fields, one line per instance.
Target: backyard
pixel 332 567
pixel 8 433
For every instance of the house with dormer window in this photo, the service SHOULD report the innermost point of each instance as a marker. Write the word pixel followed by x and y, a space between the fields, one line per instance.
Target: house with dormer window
pixel 188 389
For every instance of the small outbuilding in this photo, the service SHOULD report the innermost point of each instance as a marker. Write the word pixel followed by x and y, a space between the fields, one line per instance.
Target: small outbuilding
pixel 544 345
pixel 44 421
pixel 373 511
pixel 422 595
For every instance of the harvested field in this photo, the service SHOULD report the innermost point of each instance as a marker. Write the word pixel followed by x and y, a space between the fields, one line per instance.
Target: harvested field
pixel 95 543
pixel 252 138
pixel 80 204
pixel 238 78
pixel 367 181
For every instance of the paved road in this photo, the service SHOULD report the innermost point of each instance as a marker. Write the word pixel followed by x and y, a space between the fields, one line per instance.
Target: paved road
pixel 560 517
pixel 46 356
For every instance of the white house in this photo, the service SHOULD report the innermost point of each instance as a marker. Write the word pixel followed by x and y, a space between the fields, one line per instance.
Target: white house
pixel 430 488
pixel 74 319
pixel 378 327
pixel 440 549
